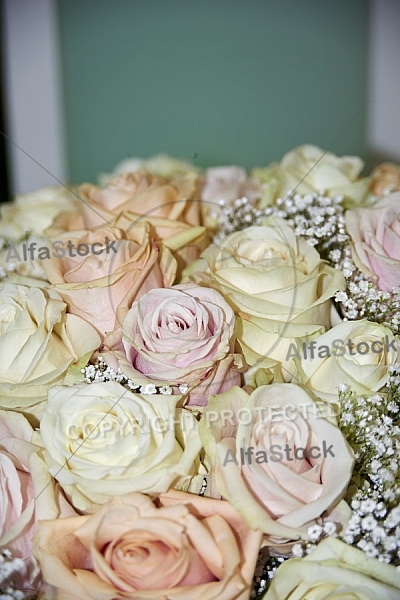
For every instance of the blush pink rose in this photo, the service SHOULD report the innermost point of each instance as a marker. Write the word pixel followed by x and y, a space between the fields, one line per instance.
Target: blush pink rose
pixel 375 235
pixel 286 480
pixel 24 476
pixel 101 288
pixel 187 548
pixel 180 336
pixel 229 183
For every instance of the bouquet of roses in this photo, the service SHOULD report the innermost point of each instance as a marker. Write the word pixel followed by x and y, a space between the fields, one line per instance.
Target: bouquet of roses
pixel 200 384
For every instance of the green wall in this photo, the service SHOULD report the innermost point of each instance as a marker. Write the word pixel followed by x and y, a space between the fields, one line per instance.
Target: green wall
pixel 233 81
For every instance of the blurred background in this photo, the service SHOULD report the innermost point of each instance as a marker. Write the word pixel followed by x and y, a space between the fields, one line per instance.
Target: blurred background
pixel 88 83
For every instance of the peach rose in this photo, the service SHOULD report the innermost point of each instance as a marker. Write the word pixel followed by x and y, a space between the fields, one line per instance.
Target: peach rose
pixel 185 549
pixel 274 459
pixel 385 178
pixel 181 336
pixel 101 285
pixel 375 235
pixel 24 476
pixel 186 242
pixel 140 193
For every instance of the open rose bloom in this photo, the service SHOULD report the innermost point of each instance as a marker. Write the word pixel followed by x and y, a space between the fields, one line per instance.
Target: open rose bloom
pixel 181 336
pixel 184 548
pixel 277 284
pixel 275 491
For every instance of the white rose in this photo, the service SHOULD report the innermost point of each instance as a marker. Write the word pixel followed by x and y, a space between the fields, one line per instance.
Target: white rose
pixel 277 285
pixel 12 259
pixel 335 570
pixel 308 169
pixel 39 344
pixel 140 443
pixel 34 211
pixel 356 353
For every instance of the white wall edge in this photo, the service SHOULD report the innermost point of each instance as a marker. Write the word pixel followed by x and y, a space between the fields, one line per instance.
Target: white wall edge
pixel 384 80
pixel 33 94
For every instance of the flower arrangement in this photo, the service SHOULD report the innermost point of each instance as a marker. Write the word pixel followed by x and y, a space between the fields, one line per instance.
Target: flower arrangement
pixel 201 397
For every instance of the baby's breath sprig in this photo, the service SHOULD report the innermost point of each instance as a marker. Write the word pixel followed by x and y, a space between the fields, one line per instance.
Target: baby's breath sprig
pixel 237 216
pixel 370 424
pixel 101 372
pixel 316 533
pixel 13 575
pixel 364 300
pixel 316 217
pixel 374 528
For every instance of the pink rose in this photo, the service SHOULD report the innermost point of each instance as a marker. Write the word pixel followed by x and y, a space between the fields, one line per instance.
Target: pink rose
pixel 180 336
pixel 226 183
pixel 229 183
pixel 101 287
pixel 375 234
pixel 186 549
pixel 274 458
pixel 24 475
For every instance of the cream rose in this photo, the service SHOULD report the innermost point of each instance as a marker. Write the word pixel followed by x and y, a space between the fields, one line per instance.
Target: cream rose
pixel 355 353
pixel 40 345
pixel 181 336
pixel 335 570
pixel 185 549
pixel 162 165
pixel 101 285
pixel 275 459
pixel 12 259
pixel 310 169
pixel 277 285
pixel 375 235
pixel 23 477
pixel 132 442
pixel 33 212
